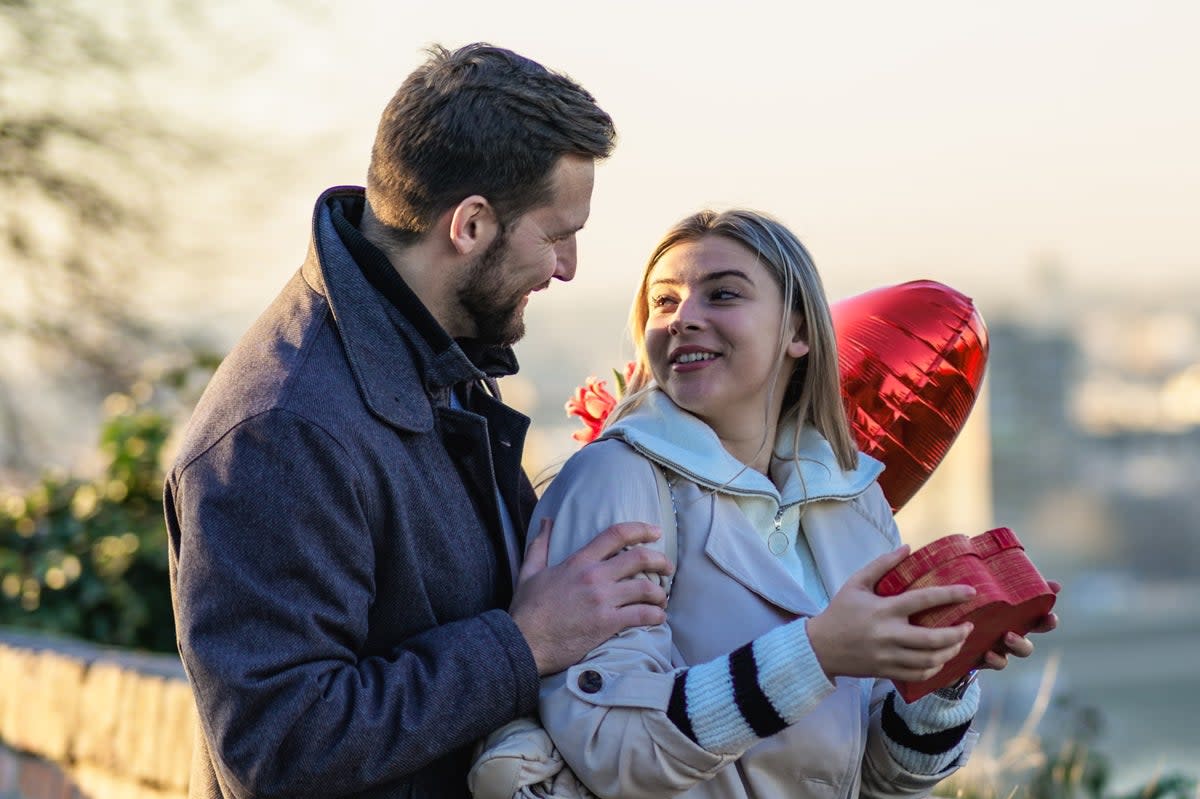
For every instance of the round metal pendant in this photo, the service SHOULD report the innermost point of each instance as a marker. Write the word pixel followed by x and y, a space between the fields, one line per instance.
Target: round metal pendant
pixel 777 542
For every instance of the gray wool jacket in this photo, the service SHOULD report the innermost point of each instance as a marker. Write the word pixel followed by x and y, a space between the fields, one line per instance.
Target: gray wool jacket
pixel 338 569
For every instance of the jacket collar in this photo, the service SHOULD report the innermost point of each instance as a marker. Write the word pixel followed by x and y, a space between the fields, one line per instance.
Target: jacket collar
pixel 666 434
pixel 398 353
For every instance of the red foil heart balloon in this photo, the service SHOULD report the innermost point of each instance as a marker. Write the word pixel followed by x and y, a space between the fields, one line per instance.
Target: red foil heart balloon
pixel 912 358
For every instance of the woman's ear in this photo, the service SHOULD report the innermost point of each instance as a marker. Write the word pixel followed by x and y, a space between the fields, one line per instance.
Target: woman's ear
pixel 798 346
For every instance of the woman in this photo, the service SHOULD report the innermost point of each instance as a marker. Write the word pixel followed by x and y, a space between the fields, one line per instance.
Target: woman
pixel 772 674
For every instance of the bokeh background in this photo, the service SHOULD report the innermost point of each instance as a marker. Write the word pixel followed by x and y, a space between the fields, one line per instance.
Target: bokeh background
pixel 159 161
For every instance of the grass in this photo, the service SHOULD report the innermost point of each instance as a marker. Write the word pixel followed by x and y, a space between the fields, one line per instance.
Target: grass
pixel 1027 765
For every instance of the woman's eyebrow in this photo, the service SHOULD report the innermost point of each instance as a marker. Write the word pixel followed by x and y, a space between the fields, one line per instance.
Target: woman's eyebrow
pixel 719 274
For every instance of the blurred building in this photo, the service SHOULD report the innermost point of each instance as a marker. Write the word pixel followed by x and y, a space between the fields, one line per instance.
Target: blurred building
pixel 1096 439
pixel 957 498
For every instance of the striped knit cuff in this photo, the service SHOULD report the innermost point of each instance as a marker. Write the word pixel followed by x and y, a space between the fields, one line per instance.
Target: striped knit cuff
pixel 728 704
pixel 926 737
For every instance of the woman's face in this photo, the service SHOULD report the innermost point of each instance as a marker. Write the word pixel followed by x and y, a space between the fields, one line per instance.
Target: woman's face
pixel 712 334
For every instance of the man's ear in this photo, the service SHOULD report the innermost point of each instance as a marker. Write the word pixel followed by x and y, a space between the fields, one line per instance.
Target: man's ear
pixel 473 225
pixel 798 346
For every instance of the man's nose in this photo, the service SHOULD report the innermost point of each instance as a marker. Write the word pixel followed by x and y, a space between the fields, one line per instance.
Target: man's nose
pixel 565 253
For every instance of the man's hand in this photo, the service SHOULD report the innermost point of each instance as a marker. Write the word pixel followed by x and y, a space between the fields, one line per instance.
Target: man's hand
pixel 567 610
pixel 862 634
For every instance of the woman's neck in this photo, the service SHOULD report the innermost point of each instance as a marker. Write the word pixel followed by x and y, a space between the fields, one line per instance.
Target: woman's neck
pixel 752 446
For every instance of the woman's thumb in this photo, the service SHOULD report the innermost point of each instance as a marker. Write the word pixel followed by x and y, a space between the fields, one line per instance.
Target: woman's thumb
pixel 873 572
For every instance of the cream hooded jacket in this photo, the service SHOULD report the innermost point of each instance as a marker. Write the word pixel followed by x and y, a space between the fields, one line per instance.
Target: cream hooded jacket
pixel 607 714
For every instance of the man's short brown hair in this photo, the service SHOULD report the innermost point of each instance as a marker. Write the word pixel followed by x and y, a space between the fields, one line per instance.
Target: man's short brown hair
pixel 477 120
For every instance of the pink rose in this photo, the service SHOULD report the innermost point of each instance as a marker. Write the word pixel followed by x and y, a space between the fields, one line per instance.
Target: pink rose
pixel 593 403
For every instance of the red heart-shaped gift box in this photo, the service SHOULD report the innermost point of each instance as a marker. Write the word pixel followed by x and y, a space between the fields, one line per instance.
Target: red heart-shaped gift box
pixel 1010 596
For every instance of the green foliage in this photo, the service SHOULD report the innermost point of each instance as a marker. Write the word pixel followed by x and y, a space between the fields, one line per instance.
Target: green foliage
pixel 88 557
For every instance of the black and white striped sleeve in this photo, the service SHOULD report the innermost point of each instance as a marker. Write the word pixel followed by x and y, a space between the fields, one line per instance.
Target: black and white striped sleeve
pixel 730 703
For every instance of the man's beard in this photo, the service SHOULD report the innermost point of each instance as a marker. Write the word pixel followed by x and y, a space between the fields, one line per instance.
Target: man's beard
pixel 485 297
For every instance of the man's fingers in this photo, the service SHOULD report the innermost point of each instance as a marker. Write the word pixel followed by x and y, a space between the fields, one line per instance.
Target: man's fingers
pixel 537 554
pixel 640 616
pixel 639 592
pixel 618 537
pixel 637 560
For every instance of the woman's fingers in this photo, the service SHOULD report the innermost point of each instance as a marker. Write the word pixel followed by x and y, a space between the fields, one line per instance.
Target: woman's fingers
pixel 920 599
pixel 924 639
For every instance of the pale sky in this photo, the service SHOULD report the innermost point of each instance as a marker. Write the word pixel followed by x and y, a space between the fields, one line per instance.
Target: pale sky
pixel 964 142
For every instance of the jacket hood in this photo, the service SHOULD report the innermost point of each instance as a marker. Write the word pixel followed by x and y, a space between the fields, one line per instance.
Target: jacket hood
pixel 674 438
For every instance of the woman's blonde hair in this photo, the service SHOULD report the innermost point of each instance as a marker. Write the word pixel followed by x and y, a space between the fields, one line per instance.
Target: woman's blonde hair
pixel 812 393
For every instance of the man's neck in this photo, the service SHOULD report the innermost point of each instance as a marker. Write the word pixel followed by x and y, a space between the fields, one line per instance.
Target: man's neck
pixel 419 265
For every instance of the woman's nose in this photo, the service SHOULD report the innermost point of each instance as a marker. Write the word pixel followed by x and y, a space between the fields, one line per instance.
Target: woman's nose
pixel 686 317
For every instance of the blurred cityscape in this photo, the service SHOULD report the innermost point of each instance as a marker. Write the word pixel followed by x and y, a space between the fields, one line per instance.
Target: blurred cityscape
pixel 1095 437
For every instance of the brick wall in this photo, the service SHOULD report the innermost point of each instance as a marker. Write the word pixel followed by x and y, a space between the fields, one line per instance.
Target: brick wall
pixel 78 720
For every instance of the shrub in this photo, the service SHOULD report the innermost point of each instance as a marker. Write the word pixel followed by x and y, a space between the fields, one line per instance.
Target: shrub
pixel 88 557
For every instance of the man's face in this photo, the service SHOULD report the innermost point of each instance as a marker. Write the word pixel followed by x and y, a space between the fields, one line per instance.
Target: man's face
pixel 537 247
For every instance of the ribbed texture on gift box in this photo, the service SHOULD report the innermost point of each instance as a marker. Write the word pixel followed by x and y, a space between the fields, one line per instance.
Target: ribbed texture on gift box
pixel 1011 595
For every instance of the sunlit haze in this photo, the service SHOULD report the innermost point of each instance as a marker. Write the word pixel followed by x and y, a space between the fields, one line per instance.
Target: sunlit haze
pixel 985 146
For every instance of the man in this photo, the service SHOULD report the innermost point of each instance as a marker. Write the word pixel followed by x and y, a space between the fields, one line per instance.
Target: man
pixel 347 510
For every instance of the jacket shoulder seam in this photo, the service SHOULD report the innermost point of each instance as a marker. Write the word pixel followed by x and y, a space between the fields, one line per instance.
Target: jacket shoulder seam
pixel 275 410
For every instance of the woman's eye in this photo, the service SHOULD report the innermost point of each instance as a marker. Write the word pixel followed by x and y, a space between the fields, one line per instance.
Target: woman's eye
pixel 660 300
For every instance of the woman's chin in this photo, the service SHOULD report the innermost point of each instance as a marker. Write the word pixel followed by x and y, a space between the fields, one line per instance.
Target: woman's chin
pixel 696 405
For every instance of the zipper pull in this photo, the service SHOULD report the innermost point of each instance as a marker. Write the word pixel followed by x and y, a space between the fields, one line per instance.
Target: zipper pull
pixel 777 541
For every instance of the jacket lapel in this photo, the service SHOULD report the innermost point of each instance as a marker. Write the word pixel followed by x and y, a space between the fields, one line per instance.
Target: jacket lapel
pixel 841 548
pixel 734 547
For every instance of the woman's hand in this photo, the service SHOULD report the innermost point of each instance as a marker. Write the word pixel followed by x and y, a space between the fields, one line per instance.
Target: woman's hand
pixel 1019 645
pixel 862 634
